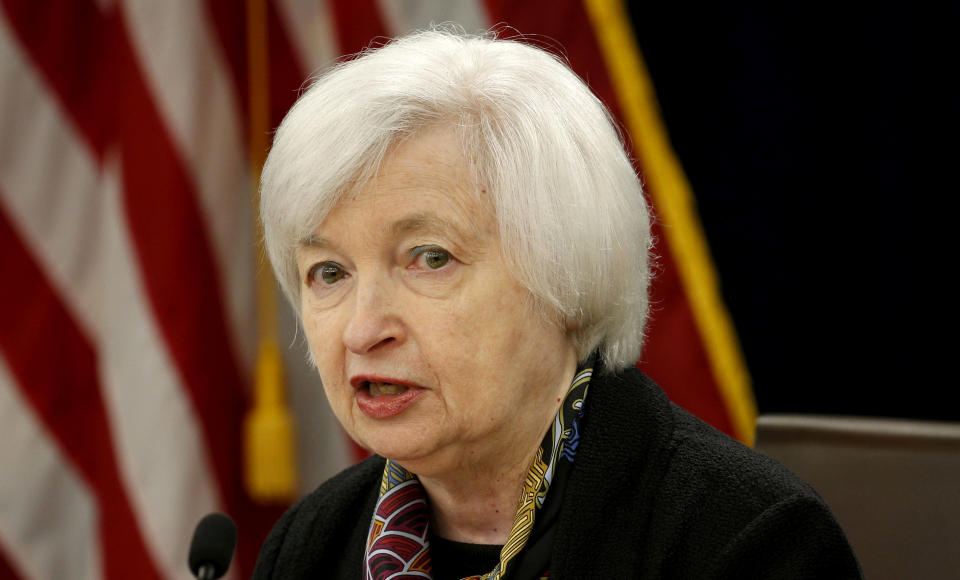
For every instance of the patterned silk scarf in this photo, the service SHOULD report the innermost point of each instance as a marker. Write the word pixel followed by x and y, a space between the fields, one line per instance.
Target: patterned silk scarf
pixel 398 544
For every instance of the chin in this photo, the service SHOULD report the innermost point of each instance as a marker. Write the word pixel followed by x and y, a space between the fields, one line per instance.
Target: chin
pixel 399 451
pixel 395 444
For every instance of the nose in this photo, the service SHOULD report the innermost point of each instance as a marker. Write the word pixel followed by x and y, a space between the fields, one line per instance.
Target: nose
pixel 374 321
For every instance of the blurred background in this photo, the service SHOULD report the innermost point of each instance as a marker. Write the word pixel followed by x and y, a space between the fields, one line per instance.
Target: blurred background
pixel 782 147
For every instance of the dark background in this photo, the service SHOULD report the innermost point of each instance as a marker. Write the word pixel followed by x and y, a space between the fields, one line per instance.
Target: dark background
pixel 805 133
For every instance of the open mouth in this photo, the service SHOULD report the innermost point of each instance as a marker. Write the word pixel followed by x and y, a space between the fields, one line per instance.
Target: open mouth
pixel 380 389
pixel 379 397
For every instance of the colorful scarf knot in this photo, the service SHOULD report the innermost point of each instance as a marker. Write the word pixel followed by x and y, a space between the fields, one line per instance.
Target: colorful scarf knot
pixel 398 543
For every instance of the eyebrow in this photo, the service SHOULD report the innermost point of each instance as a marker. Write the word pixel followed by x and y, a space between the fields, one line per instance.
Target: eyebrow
pixel 419 222
pixel 314 241
pixel 426 221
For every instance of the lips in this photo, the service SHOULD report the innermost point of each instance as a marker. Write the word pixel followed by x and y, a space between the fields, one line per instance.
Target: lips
pixel 384 397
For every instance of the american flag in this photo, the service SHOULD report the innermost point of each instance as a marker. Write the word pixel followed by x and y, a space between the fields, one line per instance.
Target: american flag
pixel 131 133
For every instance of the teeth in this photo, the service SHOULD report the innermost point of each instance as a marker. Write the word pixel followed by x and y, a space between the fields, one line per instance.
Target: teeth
pixel 377 389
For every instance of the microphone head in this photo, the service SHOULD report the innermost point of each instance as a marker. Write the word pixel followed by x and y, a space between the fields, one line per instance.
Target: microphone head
pixel 213 544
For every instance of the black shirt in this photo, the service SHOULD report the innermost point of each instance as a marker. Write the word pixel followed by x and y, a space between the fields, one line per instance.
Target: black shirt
pixel 455 560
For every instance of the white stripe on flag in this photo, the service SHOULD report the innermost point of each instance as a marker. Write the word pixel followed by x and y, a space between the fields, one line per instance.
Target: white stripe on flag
pixel 187 74
pixel 76 229
pixel 49 179
pixel 402 16
pixel 311 30
pixel 160 441
pixel 48 517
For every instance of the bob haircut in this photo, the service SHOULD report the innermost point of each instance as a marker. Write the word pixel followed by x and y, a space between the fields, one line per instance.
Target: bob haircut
pixel 541 147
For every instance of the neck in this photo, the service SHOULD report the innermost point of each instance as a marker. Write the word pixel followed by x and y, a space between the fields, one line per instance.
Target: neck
pixel 480 506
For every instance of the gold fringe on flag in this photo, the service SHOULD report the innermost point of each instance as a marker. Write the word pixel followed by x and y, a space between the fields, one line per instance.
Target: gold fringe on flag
pixel 674 201
pixel 269 444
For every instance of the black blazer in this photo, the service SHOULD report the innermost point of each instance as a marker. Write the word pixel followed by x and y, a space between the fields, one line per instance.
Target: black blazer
pixel 654 493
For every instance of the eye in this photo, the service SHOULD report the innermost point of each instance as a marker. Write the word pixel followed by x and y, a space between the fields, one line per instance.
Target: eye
pixel 431 257
pixel 326 273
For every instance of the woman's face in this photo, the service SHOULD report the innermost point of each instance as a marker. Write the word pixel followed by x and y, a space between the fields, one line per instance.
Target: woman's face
pixel 429 351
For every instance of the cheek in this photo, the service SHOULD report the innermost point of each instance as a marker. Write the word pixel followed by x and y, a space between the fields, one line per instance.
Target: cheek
pixel 499 316
pixel 479 331
pixel 320 325
pixel 329 367
pixel 321 334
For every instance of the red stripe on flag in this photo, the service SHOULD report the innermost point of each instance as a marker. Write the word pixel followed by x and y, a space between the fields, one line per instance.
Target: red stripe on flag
pixel 70 44
pixel 358 23
pixel 674 352
pixel 287 71
pixel 229 22
pixel 56 368
pixel 7 571
pixel 177 264
pixel 169 234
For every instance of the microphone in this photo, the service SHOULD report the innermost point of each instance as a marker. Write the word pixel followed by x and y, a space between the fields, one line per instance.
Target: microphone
pixel 212 546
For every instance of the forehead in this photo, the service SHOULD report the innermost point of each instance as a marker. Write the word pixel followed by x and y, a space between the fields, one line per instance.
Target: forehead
pixel 424 183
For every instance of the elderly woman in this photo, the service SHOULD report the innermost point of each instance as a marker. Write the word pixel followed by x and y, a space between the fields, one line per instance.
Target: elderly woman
pixel 465 240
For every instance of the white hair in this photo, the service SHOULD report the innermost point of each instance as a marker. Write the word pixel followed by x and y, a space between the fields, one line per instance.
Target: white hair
pixel 571 213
